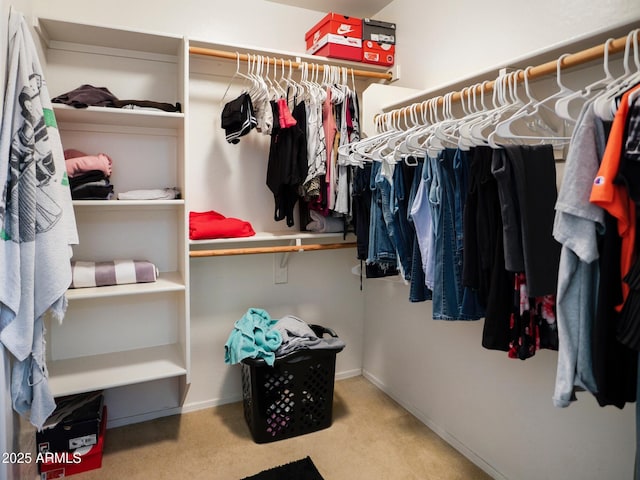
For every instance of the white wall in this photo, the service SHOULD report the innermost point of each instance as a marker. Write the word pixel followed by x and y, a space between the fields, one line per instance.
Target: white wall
pixel 494 409
pixel 242 22
pixel 439 42
pixel 231 179
pixel 321 290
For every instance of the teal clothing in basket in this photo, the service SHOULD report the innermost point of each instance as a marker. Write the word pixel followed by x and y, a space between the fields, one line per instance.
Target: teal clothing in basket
pixel 253 337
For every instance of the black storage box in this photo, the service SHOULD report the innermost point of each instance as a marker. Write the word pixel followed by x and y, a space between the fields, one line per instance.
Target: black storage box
pixel 74 423
pixel 378 31
pixel 294 396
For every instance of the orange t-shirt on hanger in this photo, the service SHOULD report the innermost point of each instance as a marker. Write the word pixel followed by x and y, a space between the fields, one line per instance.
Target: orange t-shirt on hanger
pixel 613 197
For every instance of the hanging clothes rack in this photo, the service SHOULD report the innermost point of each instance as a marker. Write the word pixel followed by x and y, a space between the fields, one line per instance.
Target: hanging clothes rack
pixel 276 249
pixel 534 72
pixel 278 62
pixel 274 61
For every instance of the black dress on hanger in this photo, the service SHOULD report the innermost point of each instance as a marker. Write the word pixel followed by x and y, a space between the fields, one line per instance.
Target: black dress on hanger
pixel 287 166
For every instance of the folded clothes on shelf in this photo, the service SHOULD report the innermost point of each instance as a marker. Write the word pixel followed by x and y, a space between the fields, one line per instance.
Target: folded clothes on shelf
pixel 150 194
pixel 92 185
pixel 211 224
pixel 325 224
pixel 78 162
pixel 88 175
pixel 115 272
pixel 87 95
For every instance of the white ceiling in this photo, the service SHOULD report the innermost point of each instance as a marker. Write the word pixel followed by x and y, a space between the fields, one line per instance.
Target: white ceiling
pixel 352 8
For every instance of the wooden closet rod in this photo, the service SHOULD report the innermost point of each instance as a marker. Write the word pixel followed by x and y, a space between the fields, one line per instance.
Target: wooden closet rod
pixel 274 61
pixel 276 249
pixel 567 61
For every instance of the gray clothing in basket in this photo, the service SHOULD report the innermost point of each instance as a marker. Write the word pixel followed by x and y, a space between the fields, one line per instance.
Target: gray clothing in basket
pixel 298 335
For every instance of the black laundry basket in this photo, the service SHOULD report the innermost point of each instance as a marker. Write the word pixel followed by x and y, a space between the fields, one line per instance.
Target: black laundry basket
pixel 294 396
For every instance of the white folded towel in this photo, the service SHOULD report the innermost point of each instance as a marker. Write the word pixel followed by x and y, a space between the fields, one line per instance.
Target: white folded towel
pixel 322 224
pixel 116 272
pixel 150 194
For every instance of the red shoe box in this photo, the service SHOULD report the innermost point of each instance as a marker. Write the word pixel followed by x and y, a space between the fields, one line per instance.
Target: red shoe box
pixel 378 53
pixel 334 24
pixel 65 464
pixel 338 46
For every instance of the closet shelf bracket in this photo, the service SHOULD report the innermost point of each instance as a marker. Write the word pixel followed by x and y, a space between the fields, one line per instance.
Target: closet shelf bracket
pixel 284 258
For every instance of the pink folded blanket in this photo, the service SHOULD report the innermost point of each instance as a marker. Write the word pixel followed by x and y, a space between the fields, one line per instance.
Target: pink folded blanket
pixel 116 272
pixel 79 162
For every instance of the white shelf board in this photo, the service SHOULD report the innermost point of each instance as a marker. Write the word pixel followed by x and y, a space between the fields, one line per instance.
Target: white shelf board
pixel 106 37
pixel 118 116
pixel 287 55
pixel 269 237
pixel 166 282
pixel 97 372
pixel 126 204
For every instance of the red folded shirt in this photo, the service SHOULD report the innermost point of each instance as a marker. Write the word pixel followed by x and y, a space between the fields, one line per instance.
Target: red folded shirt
pixel 211 224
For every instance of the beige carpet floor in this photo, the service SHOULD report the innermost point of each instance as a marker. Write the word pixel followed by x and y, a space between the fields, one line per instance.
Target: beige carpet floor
pixel 371 438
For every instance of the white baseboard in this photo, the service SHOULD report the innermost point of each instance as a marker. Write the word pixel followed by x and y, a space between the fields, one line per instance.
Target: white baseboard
pixel 195 406
pixel 216 402
pixel 348 374
pixel 442 433
pixel 143 417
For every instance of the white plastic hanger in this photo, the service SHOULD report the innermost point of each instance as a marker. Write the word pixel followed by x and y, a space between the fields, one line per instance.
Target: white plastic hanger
pixel 562 106
pixel 317 89
pixel 284 82
pixel 274 88
pixel 237 73
pixel 341 86
pixel 502 127
pixel 384 150
pixel 443 135
pixel 262 88
pixel 451 133
pixel 337 94
pixel 256 91
pixel 402 151
pixel 432 145
pixel 290 83
pixel 417 141
pixel 466 140
pixel 403 148
pixel 506 103
pixel 364 148
pixel 636 93
pixel 298 90
pixel 604 105
pixel 636 77
pixel 397 143
pixel 414 139
pixel 533 118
